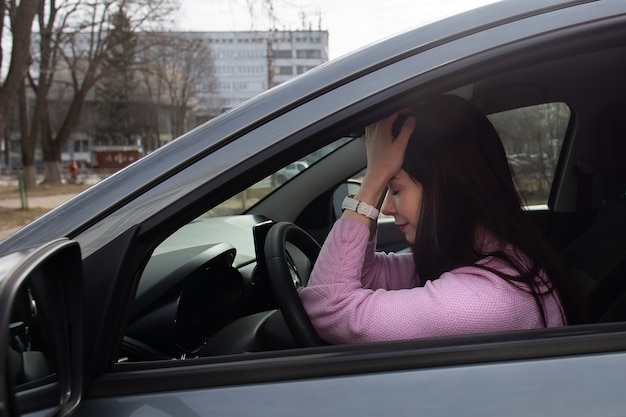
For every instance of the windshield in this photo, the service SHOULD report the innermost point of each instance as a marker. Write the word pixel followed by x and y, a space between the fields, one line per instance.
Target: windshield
pixel 242 201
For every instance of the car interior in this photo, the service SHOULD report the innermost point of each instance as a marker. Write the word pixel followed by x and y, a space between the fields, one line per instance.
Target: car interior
pixel 206 289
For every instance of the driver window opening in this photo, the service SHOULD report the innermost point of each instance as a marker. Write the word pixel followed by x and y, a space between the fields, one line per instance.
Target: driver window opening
pixel 203 290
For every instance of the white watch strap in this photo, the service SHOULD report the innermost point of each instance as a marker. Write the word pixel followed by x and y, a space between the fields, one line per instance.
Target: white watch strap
pixel 360 207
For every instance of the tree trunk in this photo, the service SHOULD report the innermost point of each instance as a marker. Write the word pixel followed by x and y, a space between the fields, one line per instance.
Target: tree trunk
pixel 51 172
pixel 30 176
pixel 6 155
pixel 52 144
pixel 21 25
pixel 51 153
pixel 28 142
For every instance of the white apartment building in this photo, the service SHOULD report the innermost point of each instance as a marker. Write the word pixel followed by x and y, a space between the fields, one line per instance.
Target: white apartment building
pixel 248 63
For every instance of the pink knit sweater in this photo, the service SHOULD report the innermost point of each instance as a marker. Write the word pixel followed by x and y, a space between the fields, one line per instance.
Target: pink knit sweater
pixel 357 295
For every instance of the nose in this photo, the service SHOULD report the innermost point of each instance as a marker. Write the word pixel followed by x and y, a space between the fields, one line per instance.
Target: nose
pixel 388 208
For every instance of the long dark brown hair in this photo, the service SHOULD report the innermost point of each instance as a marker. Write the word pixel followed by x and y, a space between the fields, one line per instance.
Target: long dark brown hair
pixel 457 156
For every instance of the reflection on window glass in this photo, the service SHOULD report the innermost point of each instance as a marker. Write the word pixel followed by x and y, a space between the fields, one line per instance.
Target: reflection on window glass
pixel 532 138
pixel 242 201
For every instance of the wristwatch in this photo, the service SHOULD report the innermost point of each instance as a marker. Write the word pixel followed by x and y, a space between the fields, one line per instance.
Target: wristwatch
pixel 352 204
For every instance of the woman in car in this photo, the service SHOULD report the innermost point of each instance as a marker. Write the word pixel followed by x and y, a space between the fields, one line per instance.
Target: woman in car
pixel 477 263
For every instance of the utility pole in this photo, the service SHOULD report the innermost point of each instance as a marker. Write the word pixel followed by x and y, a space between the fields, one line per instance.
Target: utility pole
pixel 270 62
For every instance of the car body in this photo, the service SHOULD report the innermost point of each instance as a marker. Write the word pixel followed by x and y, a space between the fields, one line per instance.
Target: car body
pixel 174 315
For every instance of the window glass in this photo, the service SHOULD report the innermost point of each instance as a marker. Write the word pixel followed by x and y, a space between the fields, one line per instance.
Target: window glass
pixel 309 53
pixel 279 53
pixel 283 70
pixel 250 196
pixel 301 69
pixel 532 138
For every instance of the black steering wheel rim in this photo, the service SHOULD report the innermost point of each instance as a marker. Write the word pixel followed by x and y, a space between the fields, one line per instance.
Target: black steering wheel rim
pixel 282 282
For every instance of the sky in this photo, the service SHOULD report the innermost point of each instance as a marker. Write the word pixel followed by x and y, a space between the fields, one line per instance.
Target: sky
pixel 351 24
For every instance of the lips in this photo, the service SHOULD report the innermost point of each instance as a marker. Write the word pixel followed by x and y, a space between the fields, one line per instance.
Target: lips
pixel 402 227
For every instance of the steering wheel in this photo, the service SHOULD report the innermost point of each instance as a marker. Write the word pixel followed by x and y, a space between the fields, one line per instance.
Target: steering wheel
pixel 285 279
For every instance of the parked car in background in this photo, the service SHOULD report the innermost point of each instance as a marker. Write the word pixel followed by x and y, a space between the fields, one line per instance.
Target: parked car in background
pixel 290 171
pixel 153 293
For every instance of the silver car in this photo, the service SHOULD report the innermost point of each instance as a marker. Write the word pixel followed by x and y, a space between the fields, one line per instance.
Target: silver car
pixel 153 293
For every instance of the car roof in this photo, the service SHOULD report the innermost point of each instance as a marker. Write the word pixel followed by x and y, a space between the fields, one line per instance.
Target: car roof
pixel 87 208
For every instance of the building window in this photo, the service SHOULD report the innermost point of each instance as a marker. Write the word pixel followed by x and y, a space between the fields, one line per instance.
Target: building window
pixel 256 69
pixel 283 70
pixel 309 53
pixel 301 69
pixel 282 53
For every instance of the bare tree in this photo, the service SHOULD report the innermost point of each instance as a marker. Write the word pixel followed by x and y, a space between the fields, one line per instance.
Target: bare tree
pixel 40 80
pixel 75 37
pixel 150 93
pixel 20 17
pixel 263 7
pixel 116 89
pixel 175 66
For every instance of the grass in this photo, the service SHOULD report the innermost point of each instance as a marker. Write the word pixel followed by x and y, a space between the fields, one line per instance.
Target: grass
pixel 42 190
pixel 10 217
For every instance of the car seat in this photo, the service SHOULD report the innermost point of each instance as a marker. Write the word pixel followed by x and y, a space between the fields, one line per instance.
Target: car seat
pixel 597 258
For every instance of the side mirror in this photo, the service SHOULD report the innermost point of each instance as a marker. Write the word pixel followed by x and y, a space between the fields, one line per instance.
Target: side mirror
pixel 41 329
pixel 347 188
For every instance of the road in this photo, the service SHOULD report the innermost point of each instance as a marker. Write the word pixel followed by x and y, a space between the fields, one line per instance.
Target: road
pixel 50 202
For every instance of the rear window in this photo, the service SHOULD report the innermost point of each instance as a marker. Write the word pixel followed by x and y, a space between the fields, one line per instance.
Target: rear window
pixel 532 137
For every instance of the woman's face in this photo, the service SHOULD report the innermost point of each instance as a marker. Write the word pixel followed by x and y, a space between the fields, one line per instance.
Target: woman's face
pixel 404 202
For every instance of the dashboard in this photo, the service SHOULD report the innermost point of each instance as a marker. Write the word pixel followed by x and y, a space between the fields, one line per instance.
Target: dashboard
pixel 205 292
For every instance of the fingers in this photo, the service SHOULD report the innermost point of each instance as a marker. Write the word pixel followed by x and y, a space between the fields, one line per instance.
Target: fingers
pixel 390 135
pixel 391 126
pixel 401 138
pixel 406 130
pixel 385 151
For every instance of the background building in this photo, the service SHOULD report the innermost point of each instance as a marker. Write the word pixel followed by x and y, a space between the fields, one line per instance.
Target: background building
pixel 248 63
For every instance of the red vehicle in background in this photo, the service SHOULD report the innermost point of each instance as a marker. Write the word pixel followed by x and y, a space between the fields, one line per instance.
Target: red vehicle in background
pixel 114 158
